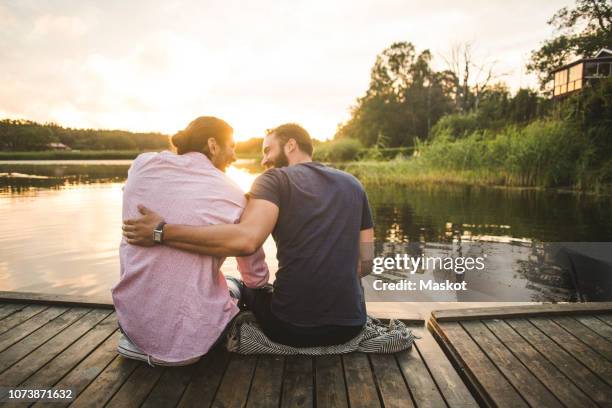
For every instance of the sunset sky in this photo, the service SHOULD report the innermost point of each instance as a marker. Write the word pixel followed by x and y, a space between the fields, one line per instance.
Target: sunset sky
pixel 138 66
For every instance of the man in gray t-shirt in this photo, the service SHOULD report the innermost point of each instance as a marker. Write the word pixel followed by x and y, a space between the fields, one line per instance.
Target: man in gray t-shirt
pixel 321 213
pixel 320 220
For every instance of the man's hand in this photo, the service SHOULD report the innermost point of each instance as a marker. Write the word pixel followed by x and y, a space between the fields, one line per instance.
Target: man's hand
pixel 366 252
pixel 139 231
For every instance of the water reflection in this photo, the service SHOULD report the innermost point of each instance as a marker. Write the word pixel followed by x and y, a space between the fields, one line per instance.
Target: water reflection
pixel 60 240
pixel 60 233
pixel 443 212
pixel 520 272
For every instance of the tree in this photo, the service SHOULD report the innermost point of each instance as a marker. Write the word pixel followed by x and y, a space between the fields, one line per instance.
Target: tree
pixel 404 100
pixel 583 30
pixel 471 78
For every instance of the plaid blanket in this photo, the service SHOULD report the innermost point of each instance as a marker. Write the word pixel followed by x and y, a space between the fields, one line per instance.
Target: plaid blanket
pixel 246 337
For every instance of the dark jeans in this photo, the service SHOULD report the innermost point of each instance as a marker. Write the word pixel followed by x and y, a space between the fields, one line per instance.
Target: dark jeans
pixel 258 301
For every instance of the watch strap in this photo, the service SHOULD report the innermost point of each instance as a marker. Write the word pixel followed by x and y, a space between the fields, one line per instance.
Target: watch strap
pixel 158 233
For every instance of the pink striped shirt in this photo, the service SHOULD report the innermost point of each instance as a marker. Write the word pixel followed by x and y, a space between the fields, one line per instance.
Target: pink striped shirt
pixel 173 304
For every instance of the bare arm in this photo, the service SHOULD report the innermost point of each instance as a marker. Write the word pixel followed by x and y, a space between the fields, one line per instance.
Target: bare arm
pixel 366 252
pixel 244 238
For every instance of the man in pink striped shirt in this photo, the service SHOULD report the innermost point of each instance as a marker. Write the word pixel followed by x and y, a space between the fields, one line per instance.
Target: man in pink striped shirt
pixel 173 305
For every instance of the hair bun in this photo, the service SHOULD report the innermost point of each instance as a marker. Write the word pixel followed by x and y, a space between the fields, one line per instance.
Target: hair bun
pixel 194 138
pixel 179 140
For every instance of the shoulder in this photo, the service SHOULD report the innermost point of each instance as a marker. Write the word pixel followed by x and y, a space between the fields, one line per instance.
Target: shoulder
pixel 142 160
pixel 345 178
pixel 269 176
pixel 230 184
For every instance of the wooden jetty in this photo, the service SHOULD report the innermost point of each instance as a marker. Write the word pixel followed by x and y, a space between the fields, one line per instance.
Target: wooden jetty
pixel 538 355
pixel 63 342
pixel 551 355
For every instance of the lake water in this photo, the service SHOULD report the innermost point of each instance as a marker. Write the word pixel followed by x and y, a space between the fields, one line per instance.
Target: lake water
pixel 60 230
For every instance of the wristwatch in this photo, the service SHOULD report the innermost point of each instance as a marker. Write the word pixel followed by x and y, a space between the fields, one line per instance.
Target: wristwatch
pixel 158 233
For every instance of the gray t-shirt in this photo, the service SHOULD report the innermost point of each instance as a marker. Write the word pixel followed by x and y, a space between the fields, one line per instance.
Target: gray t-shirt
pixel 321 212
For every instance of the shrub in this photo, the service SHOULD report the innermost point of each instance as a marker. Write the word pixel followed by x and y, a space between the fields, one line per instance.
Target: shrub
pixel 338 150
pixel 544 153
pixel 454 126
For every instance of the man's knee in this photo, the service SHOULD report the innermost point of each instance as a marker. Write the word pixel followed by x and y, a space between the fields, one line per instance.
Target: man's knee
pixel 257 299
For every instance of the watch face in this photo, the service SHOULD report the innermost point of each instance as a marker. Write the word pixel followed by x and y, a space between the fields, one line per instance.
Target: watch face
pixel 157 236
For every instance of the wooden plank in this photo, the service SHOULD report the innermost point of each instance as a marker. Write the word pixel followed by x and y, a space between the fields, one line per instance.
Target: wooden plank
pixel 56 299
pixel 39 357
pixel 390 382
pixel 420 383
pixel 487 382
pixel 298 387
pixel 22 330
pixel 236 383
pixel 83 374
pixel 170 387
pixel 19 317
pixel 360 384
pixel 575 347
pixel 137 387
pixel 598 326
pixel 8 309
pixel 21 349
pixel 607 318
pixel 206 379
pixel 106 384
pixel 586 335
pixel 539 366
pixel 65 361
pixel 450 384
pixel 529 386
pixel 556 309
pixel 267 382
pixel 329 379
pixel 582 377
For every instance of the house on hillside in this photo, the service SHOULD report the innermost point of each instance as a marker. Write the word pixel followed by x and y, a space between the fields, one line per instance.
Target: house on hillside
pixel 57 146
pixel 576 75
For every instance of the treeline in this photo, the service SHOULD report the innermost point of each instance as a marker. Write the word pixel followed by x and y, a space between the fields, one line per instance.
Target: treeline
pixel 28 136
pixel 464 131
pixel 25 135
pixel 408 101
pixel 249 147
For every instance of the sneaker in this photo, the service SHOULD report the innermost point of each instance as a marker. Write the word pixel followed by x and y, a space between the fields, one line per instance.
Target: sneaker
pixel 235 287
pixel 129 350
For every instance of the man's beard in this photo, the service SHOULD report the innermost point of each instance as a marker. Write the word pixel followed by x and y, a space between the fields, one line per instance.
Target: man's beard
pixel 281 160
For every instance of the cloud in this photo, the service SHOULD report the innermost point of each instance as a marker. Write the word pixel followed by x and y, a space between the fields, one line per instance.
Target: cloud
pixel 51 25
pixel 137 66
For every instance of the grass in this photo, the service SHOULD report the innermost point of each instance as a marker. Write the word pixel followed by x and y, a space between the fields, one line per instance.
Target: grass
pixel 544 154
pixel 412 172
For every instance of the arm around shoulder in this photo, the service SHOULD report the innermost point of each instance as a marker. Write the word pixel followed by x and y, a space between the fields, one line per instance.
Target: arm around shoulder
pixel 242 239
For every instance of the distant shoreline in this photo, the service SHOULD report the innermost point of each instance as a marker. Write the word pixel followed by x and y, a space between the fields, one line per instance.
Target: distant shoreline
pixel 401 173
pixel 86 155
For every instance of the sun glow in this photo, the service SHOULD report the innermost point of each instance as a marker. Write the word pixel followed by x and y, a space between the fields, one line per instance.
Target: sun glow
pixel 241 176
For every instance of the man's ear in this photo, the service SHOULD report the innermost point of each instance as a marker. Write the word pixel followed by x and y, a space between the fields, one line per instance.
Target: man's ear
pixel 212 146
pixel 291 145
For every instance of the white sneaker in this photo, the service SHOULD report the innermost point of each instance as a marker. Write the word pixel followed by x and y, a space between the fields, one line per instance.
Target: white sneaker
pixel 129 350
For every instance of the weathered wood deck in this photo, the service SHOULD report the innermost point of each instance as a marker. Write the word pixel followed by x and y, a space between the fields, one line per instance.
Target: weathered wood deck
pixel 67 343
pixel 538 356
